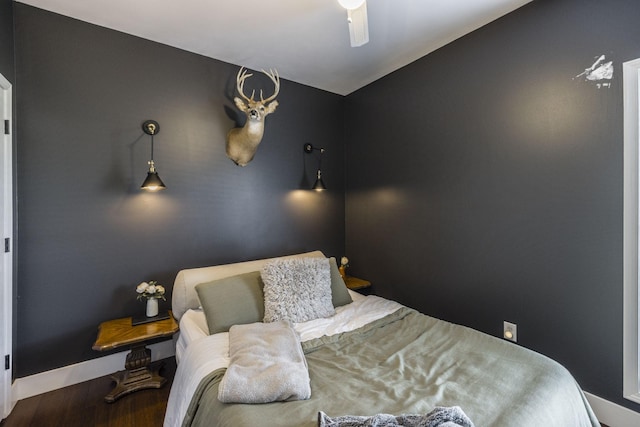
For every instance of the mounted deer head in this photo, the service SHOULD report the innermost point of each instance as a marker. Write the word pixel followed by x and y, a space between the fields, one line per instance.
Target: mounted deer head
pixel 242 143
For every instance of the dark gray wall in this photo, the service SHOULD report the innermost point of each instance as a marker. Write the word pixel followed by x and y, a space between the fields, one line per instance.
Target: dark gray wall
pixel 6 40
pixel 88 235
pixel 488 184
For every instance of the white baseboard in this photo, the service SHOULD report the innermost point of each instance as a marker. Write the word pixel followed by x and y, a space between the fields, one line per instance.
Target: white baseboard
pixel 613 414
pixel 84 371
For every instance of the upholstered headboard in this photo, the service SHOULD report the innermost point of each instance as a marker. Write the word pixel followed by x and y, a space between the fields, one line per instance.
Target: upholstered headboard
pixel 184 292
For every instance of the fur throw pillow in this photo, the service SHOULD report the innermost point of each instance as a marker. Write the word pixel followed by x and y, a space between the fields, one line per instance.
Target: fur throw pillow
pixel 297 289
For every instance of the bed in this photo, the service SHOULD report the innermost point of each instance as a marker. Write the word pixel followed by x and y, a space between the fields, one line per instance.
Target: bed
pixel 371 356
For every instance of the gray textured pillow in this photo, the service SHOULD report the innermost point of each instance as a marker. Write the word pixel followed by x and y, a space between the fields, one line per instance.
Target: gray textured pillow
pixel 235 300
pixel 339 292
pixel 297 289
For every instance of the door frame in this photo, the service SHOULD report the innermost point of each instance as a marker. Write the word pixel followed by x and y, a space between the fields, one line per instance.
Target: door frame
pixel 631 221
pixel 6 264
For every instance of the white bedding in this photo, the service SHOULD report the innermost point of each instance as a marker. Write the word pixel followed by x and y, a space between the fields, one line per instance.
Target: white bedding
pixel 199 353
pixel 193 325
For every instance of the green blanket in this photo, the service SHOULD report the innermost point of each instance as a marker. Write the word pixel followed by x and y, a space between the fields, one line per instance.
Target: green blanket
pixel 408 362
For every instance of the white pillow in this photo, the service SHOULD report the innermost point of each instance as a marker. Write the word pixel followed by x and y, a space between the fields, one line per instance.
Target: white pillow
pixel 297 289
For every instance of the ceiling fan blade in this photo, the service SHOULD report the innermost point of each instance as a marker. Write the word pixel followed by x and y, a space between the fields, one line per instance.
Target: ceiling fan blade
pixel 358 25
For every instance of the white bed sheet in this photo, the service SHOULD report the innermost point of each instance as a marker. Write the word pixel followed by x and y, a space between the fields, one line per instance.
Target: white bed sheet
pixel 201 353
pixel 193 326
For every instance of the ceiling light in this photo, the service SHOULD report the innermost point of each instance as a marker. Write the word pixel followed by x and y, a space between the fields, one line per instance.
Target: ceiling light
pixel 351 4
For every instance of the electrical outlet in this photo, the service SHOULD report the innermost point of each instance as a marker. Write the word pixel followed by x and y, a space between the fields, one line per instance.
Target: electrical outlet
pixel 510 331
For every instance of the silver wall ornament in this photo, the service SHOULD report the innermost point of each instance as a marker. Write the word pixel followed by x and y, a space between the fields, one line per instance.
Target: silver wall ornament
pixel 600 73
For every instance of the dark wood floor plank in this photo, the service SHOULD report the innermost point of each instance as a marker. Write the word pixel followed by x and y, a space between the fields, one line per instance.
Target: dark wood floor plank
pixel 83 405
pixel 59 407
pixel 24 416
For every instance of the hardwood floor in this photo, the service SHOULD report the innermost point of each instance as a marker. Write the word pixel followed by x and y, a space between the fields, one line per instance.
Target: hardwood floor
pixel 83 405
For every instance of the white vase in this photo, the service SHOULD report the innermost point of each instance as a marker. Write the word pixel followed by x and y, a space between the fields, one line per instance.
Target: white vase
pixel 152 307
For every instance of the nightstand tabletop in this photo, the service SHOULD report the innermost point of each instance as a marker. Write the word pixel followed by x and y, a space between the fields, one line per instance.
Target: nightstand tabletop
pixel 119 332
pixel 354 283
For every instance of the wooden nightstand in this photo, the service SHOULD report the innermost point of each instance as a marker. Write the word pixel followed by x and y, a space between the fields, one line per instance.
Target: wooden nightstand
pixel 354 283
pixel 138 373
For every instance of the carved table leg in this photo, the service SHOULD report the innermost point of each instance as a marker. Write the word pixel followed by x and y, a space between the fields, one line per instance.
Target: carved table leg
pixel 139 374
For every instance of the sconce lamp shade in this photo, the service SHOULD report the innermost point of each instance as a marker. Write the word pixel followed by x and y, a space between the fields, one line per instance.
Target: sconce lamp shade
pixel 319 185
pixel 153 181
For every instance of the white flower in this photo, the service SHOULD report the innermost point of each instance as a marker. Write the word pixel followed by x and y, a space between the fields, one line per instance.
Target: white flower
pixel 142 287
pixel 344 260
pixel 150 290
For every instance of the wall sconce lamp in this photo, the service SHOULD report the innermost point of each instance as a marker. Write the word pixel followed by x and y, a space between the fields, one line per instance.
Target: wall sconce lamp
pixel 153 181
pixel 319 184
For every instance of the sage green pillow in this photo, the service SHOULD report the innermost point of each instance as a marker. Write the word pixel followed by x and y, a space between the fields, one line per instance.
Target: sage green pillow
pixel 339 292
pixel 235 300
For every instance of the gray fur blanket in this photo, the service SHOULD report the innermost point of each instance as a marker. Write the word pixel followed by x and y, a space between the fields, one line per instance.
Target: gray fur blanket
pixel 439 417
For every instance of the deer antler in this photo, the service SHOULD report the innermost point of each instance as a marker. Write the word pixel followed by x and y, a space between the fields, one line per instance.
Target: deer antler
pixel 243 74
pixel 275 78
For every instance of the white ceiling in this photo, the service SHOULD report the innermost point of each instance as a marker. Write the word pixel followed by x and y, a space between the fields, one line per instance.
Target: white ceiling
pixel 307 41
